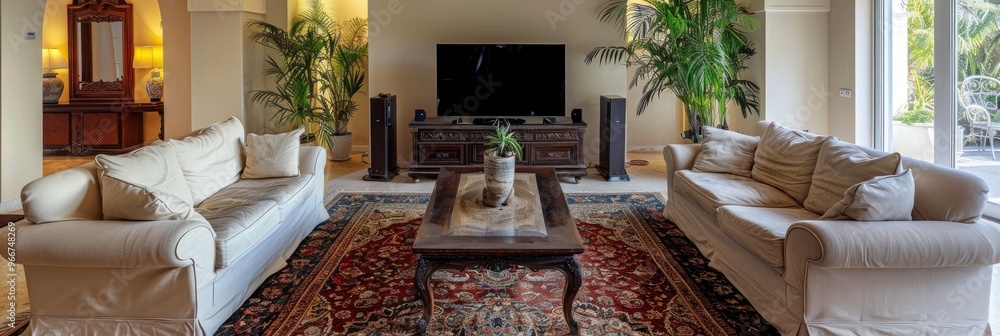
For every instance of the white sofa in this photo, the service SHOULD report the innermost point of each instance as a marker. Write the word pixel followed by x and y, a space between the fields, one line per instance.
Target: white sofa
pixel 90 276
pixel 928 276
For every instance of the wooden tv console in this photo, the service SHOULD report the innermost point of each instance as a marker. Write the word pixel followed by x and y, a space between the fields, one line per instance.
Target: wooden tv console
pixel 438 142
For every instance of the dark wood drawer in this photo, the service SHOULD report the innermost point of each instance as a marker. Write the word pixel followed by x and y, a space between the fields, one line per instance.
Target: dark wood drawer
pixel 554 155
pixel 100 129
pixel 56 131
pixel 479 150
pixel 442 154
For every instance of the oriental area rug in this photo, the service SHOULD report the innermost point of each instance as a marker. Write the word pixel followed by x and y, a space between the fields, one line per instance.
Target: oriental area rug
pixel 353 275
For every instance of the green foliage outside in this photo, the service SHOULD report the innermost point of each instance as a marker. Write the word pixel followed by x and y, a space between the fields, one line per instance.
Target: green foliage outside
pixel 978 47
pixel 919 116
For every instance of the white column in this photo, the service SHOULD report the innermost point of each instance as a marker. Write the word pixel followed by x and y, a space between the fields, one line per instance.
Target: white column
pixel 219 69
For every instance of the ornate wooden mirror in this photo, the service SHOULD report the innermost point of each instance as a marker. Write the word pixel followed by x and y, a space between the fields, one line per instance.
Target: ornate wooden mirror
pixel 100 50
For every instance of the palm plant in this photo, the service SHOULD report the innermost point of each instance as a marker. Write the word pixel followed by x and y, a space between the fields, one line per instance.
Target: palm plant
pixel 322 68
pixel 295 91
pixel 696 49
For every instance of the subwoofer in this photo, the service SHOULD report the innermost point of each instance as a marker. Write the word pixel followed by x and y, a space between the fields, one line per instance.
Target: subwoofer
pixel 612 160
pixel 383 139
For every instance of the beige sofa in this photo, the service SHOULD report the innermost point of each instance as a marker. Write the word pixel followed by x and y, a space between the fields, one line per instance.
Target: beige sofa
pixel 90 276
pixel 928 276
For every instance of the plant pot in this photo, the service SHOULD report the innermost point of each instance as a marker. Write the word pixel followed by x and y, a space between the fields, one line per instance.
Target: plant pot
pixel 499 175
pixel 339 147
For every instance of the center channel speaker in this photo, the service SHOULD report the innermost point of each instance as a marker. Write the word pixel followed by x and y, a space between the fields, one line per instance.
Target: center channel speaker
pixel 383 139
pixel 612 161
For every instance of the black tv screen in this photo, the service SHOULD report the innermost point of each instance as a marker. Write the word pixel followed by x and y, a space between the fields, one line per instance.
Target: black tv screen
pixel 501 80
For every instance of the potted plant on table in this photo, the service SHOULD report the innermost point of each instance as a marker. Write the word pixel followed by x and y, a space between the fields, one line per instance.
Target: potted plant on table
pixel 693 48
pixel 323 65
pixel 502 149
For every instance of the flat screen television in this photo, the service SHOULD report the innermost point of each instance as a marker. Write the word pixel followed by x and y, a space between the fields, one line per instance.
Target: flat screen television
pixel 501 80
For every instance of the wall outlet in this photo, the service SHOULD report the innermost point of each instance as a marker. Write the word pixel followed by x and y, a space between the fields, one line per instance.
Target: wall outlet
pixel 846 93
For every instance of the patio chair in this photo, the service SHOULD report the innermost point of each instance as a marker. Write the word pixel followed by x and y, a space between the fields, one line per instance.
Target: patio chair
pixel 982 91
pixel 981 127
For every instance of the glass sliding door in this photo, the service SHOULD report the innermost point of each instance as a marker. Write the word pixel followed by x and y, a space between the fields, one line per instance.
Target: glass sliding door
pixel 936 67
pixel 906 71
pixel 977 69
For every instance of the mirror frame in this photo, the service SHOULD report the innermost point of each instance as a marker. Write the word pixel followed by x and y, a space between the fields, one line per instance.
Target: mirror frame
pixel 101 11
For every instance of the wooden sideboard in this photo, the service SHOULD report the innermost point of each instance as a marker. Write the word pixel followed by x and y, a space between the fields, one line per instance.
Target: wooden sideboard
pixel 439 143
pixel 95 128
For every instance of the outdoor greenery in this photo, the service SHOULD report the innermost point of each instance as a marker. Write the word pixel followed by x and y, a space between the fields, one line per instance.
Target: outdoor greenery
pixel 919 116
pixel 696 49
pixel 978 28
pixel 502 142
pixel 321 68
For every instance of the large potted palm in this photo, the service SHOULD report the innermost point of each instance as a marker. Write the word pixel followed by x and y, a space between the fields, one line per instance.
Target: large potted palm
pixel 693 48
pixel 323 68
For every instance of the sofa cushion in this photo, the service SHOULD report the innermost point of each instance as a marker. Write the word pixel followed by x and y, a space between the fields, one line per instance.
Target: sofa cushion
pixel 761 231
pixel 883 198
pixel 245 212
pixel 145 184
pixel 272 155
pixel 786 159
pixel 725 151
pixel 206 165
pixel 233 146
pixel 841 165
pixel 713 190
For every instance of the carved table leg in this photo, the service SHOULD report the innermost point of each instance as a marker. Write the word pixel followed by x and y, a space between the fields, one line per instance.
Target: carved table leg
pixel 422 279
pixel 574 278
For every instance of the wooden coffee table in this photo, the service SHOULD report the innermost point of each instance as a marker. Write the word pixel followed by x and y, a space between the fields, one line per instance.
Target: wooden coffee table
pixel 535 231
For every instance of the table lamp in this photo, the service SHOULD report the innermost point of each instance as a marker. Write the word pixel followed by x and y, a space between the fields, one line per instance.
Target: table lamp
pixel 52 86
pixel 151 57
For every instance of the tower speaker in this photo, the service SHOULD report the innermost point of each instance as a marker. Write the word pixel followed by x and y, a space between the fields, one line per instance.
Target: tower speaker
pixel 577 115
pixel 612 161
pixel 383 139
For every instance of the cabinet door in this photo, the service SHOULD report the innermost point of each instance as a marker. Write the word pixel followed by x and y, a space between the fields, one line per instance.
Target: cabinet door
pixel 442 154
pixel 100 129
pixel 479 150
pixel 55 129
pixel 554 154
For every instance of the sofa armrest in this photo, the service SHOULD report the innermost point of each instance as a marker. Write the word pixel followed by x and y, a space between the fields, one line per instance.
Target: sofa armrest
pixel 312 160
pixel 119 244
pixel 893 244
pixel 679 157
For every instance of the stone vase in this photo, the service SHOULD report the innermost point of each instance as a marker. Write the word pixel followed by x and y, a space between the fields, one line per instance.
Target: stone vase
pixel 340 147
pixel 499 174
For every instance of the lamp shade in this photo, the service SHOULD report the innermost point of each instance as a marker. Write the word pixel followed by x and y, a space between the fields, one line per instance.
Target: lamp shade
pixel 52 59
pixel 147 57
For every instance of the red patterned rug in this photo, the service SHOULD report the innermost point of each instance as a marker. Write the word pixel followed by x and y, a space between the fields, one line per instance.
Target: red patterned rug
pixel 354 275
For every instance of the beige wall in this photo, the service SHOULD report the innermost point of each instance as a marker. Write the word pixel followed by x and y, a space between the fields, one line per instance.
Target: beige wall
pixel 20 96
pixel 797 77
pixel 850 40
pixel 404 35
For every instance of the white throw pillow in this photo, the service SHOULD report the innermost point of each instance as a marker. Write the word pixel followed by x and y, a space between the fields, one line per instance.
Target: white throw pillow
pixel 841 165
pixel 146 184
pixel 785 159
pixel 272 155
pixel 207 165
pixel 725 151
pixel 884 198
